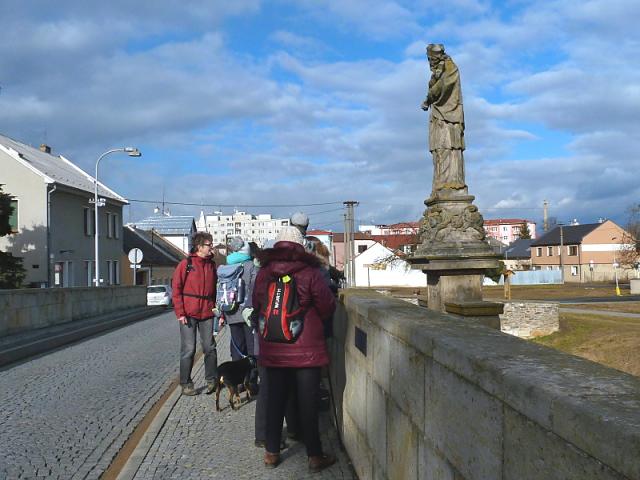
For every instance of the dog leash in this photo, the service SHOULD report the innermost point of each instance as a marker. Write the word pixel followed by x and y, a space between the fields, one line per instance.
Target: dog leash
pixel 236 347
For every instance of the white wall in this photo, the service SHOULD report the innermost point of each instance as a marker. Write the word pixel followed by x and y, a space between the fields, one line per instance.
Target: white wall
pixel 396 273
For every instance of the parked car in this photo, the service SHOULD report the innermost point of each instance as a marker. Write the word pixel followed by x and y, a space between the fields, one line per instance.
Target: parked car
pixel 159 295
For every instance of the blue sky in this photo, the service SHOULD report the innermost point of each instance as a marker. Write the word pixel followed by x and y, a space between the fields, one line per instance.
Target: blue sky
pixel 302 102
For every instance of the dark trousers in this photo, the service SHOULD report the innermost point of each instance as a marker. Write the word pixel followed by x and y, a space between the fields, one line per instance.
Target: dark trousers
pixel 241 342
pixel 290 413
pixel 188 349
pixel 304 381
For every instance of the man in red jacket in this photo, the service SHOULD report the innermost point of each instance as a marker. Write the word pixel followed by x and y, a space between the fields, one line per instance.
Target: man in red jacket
pixel 194 296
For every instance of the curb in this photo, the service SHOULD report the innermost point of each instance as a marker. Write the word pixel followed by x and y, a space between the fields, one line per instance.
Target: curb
pixel 43 345
pixel 132 466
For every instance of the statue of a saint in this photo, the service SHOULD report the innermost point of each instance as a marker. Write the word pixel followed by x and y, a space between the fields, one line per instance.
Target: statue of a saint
pixel 446 124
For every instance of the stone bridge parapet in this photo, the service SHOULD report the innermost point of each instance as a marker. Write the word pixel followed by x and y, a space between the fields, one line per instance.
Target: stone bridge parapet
pixel 427 396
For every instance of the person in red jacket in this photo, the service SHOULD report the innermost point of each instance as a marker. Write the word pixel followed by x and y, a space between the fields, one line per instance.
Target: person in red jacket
pixel 194 296
pixel 295 365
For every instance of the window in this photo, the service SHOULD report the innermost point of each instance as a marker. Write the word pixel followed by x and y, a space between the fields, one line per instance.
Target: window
pixel 549 251
pixel 13 218
pixel 113 225
pixel 113 272
pixel 573 250
pixel 362 248
pixel 89 221
pixel 574 270
pixel 88 272
pixel 505 237
pixel 109 273
pixel 539 252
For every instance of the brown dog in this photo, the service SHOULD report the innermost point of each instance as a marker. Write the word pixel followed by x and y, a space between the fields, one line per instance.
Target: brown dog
pixel 232 374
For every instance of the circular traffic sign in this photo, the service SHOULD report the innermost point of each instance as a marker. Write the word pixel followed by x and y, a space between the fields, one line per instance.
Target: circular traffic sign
pixel 135 255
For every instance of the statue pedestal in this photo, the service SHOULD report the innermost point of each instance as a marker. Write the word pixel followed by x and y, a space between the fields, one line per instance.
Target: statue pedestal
pixel 453 280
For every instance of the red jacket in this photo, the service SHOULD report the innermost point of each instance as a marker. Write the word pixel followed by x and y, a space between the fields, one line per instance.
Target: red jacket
pixel 310 350
pixel 200 281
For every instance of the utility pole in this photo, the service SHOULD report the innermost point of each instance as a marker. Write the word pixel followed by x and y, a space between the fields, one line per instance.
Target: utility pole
pixel 545 216
pixel 561 252
pixel 349 244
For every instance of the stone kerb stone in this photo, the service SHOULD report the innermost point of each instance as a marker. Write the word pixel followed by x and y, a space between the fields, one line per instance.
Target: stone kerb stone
pixel 530 319
pixel 471 375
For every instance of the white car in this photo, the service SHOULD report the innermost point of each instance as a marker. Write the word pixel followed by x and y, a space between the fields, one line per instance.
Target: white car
pixel 159 295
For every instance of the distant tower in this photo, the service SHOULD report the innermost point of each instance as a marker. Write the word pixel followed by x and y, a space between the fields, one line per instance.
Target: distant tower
pixel 545 216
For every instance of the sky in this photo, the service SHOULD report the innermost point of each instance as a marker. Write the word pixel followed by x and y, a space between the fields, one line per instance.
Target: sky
pixel 279 106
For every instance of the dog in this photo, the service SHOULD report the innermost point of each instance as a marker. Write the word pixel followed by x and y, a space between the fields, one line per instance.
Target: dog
pixel 231 375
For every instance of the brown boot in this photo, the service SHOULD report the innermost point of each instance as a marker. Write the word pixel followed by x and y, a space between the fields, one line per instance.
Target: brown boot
pixel 320 462
pixel 271 460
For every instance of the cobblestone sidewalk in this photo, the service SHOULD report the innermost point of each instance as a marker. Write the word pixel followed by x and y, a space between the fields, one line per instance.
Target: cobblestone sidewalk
pixel 196 442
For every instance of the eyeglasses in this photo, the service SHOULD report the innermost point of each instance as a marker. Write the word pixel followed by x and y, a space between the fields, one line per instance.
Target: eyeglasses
pixel 207 244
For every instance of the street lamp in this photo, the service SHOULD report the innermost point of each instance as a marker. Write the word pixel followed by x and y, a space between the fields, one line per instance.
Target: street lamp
pixel 132 152
pixel 615 267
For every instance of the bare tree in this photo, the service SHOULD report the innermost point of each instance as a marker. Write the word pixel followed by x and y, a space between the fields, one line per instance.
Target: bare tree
pixel 630 252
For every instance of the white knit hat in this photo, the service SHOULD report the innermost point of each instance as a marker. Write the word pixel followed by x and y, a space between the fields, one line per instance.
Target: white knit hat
pixel 290 234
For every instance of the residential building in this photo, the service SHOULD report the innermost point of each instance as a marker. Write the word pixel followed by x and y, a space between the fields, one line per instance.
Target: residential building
pixel 406 243
pixel 507 230
pixel 252 228
pixel 379 266
pixel 587 252
pixel 402 228
pixel 177 229
pixel 54 218
pixel 361 241
pixel 517 256
pixel 159 257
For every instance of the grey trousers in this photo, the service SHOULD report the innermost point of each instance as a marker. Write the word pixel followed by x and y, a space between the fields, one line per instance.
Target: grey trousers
pixel 188 349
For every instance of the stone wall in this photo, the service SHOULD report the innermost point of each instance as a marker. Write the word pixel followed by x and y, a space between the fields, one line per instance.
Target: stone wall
pixel 428 396
pixel 26 309
pixel 530 319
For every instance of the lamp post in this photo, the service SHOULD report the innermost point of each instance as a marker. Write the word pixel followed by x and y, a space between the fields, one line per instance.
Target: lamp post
pixel 132 152
pixel 615 267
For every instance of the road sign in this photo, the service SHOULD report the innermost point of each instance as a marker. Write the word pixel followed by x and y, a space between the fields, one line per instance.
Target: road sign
pixel 135 255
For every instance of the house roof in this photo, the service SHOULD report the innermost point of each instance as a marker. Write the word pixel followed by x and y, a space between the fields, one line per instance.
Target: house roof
pixel 394 242
pixel 156 250
pixel 520 248
pixel 168 225
pixel 54 169
pixel 572 234
pixel 339 237
pixel 319 232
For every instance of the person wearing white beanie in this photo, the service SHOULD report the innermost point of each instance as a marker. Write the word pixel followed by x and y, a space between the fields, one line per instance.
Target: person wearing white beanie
pixel 290 234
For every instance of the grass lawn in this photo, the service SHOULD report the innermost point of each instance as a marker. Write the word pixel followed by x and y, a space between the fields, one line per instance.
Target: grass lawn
pixel 625 307
pixel 550 292
pixel 614 342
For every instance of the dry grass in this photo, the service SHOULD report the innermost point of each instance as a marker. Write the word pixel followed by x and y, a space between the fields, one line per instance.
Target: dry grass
pixel 610 341
pixel 624 307
pixel 550 292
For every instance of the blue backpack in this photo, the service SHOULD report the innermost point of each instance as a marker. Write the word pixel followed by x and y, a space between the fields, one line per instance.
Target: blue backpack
pixel 230 289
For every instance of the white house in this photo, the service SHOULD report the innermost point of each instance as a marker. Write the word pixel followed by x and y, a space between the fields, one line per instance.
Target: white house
pixel 177 229
pixel 379 266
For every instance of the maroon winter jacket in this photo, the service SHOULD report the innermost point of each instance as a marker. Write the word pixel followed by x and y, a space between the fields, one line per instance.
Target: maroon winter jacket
pixel 201 282
pixel 310 350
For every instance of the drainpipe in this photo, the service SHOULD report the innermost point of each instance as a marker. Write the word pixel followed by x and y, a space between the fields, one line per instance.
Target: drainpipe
pixel 49 192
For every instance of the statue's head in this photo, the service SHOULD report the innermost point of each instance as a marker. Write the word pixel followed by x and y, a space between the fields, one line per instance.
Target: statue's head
pixel 435 52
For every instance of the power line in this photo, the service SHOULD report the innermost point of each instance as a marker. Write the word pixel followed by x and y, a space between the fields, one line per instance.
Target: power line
pixel 236 204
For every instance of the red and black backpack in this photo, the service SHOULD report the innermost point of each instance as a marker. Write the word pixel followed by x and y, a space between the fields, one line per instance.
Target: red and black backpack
pixel 282 318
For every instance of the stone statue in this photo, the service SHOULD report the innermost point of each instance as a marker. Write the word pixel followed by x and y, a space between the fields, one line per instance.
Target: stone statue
pixel 446 124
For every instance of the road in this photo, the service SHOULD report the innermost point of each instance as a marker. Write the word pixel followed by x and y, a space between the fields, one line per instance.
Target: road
pixel 66 414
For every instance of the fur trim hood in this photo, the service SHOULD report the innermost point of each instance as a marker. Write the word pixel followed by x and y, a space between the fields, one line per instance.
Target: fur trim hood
pixel 288 252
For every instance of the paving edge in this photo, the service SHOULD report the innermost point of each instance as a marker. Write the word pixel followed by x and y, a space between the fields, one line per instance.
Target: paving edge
pixel 43 345
pixel 134 462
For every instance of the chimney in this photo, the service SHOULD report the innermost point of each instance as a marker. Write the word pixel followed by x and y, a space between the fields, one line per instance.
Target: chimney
pixel 45 148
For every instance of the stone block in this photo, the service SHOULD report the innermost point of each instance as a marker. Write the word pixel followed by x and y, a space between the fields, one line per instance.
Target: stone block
pixel 465 423
pixel 432 466
pixel 356 446
pixel 532 453
pixel 381 357
pixel 355 393
pixel 402 442
pixel 407 379
pixel 376 432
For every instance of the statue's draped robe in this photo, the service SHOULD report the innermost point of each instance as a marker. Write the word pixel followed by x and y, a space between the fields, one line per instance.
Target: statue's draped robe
pixel 446 127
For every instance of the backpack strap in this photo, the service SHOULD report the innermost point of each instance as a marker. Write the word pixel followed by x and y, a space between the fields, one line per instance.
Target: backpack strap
pixel 184 282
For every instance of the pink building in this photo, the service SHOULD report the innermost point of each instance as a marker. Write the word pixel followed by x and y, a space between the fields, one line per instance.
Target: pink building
pixel 507 230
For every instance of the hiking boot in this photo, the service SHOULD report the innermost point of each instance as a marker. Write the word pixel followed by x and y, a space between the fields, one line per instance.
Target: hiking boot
pixel 320 462
pixel 189 390
pixel 271 460
pixel 211 387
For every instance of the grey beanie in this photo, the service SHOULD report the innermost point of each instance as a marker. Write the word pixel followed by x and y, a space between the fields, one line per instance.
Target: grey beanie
pixel 235 243
pixel 300 219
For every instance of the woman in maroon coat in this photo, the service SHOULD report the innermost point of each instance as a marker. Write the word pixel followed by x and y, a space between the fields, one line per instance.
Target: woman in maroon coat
pixel 295 365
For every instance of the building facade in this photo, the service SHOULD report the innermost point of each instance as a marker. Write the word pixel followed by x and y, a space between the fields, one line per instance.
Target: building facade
pixel 54 218
pixel 587 253
pixel 402 228
pixel 177 229
pixel 252 228
pixel 507 230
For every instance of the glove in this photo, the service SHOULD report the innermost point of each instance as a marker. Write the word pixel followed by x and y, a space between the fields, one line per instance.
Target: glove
pixel 246 315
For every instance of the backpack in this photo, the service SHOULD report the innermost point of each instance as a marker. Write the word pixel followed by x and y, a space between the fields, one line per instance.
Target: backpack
pixel 230 289
pixel 282 319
